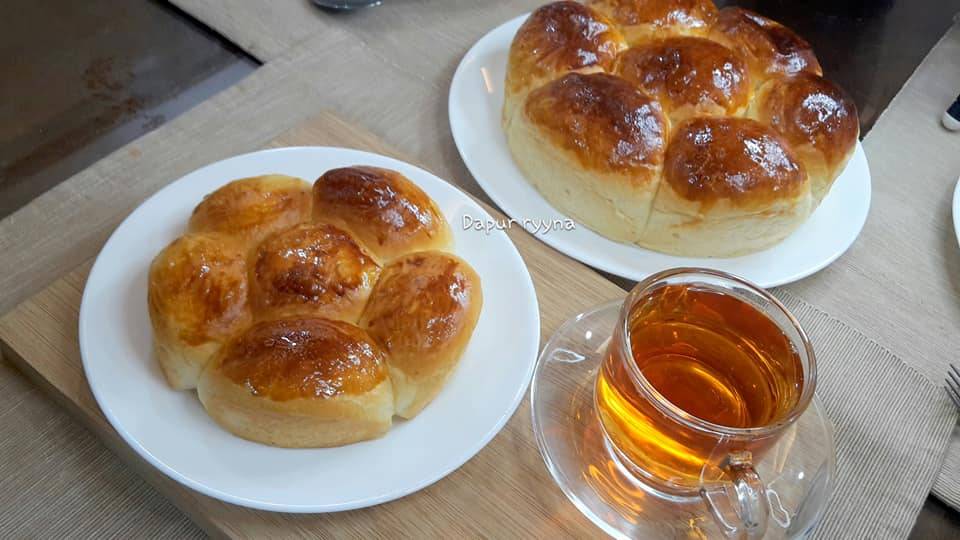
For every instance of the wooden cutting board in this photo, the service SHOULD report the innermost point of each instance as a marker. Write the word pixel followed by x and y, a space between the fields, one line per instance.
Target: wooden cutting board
pixel 504 491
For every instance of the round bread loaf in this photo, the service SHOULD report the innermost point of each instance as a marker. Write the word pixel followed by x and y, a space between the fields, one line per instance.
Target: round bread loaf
pixel 314 270
pixel 197 298
pixel 712 134
pixel 387 212
pixel 422 311
pixel 593 145
pixel 556 39
pixel 252 208
pixel 258 306
pixel 300 383
pixel 730 186
pixel 816 118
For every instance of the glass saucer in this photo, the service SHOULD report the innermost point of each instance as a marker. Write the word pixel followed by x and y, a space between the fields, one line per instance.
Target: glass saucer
pixel 798 472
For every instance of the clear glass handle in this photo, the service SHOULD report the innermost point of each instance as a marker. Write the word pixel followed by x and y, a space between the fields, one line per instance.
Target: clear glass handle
pixel 739 502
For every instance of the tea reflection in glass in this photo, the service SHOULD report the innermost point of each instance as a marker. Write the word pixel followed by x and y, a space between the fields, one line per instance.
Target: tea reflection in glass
pixel 713 368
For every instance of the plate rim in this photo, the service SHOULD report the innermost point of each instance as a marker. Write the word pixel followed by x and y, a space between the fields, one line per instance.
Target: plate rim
pixel 144 453
pixel 956 210
pixel 603 263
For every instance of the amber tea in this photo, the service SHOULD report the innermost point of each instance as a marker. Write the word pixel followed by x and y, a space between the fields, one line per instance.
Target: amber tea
pixel 715 360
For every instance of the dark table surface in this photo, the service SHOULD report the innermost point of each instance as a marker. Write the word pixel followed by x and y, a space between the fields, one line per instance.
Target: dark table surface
pixel 81 79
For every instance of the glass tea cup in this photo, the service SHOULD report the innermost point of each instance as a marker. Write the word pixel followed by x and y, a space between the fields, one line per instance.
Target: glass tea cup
pixel 694 398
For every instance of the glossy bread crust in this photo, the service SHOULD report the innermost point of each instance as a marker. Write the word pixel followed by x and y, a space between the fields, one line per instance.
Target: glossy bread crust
pixel 817 118
pixel 300 383
pixel 257 306
pixel 197 297
pixel 288 359
pixel 712 134
pixel 737 160
pixel 643 18
pixel 423 312
pixel 557 38
pixel 770 48
pixel 688 76
pixel 384 210
pixel 314 270
pixel 602 120
pixel 252 208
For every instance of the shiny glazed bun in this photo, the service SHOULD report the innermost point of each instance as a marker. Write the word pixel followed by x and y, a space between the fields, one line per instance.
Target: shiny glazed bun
pixel 555 39
pixel 688 76
pixel 252 208
pixel 593 145
pixel 712 134
pixel 197 297
pixel 313 270
pixel 770 48
pixel 817 119
pixel 258 306
pixel 423 312
pixel 730 186
pixel 388 213
pixel 300 383
pixel 642 19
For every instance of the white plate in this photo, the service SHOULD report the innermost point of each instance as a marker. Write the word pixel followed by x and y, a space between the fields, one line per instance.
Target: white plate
pixel 956 209
pixel 476 97
pixel 171 430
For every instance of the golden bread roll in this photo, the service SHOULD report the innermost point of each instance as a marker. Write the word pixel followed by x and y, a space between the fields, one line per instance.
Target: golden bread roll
pixel 300 383
pixel 688 76
pixel 313 270
pixel 197 298
pixel 423 312
pixel 258 306
pixel 555 39
pixel 817 119
pixel 770 48
pixel 388 213
pixel 252 208
pixel 642 19
pixel 593 145
pixel 730 186
pixel 712 134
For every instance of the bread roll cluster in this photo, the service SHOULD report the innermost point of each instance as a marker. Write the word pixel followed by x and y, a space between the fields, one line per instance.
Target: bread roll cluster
pixel 309 317
pixel 674 125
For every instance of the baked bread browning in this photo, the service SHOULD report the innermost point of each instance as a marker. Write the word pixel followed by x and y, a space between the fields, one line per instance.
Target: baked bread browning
pixel 311 270
pixel 387 212
pixel 423 311
pixel 817 119
pixel 730 186
pixel 642 19
pixel 197 298
pixel 300 383
pixel 593 145
pixel 688 76
pixel 712 134
pixel 556 39
pixel 252 208
pixel 770 48
pixel 258 306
